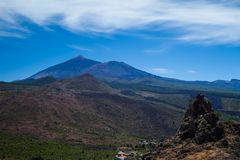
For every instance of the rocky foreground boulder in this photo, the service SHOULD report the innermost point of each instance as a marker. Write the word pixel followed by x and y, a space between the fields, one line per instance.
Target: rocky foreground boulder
pixel 202 136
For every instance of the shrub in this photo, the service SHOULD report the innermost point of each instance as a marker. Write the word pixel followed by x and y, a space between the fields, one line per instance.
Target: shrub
pixel 37 158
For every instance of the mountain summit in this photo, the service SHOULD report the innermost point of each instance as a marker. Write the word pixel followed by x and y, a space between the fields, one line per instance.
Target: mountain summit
pixel 114 69
pixel 71 68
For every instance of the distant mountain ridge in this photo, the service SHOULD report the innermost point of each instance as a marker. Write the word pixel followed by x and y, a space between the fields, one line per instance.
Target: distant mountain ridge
pixel 124 73
pixel 80 65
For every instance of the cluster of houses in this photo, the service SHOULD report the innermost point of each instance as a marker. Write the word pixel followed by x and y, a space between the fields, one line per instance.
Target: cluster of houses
pixel 128 153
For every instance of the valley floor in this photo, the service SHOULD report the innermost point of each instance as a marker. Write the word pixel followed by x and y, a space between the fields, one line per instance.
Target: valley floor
pixel 24 147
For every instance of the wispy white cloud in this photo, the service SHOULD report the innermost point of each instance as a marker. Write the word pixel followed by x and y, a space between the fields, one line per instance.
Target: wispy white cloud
pixel 79 48
pixel 161 49
pixel 11 34
pixel 9 28
pixel 154 51
pixel 201 21
pixel 162 70
pixel 191 71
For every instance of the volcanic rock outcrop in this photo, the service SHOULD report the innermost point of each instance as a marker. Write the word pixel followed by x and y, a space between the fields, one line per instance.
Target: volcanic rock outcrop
pixel 201 136
pixel 200 124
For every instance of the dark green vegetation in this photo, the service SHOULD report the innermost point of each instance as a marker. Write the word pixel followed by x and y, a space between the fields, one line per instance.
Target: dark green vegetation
pixel 22 147
pixel 27 147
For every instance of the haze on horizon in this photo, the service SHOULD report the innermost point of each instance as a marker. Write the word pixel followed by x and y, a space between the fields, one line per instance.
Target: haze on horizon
pixel 188 40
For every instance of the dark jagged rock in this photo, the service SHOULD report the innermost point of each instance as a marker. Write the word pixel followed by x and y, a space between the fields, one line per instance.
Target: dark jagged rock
pixel 201 136
pixel 200 124
pixel 198 107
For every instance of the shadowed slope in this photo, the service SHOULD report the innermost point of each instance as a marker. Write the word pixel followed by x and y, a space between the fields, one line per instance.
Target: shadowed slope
pixel 117 70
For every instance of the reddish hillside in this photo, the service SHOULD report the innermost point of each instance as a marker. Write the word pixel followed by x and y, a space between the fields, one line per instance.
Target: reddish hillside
pixel 84 110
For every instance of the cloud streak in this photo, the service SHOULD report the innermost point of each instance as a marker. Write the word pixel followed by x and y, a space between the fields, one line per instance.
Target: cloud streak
pixel 201 21
pixel 191 71
pixel 79 48
pixel 162 70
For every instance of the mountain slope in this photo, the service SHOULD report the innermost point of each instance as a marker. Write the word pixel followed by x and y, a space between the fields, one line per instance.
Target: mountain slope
pixel 85 82
pixel 38 82
pixel 116 70
pixel 84 110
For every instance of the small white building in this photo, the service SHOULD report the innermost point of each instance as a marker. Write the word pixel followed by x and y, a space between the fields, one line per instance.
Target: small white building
pixel 121 156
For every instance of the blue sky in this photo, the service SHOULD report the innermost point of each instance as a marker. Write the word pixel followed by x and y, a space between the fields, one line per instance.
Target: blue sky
pixel 189 40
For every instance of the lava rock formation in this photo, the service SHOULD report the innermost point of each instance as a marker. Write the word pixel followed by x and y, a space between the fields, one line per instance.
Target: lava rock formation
pixel 200 124
pixel 202 136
